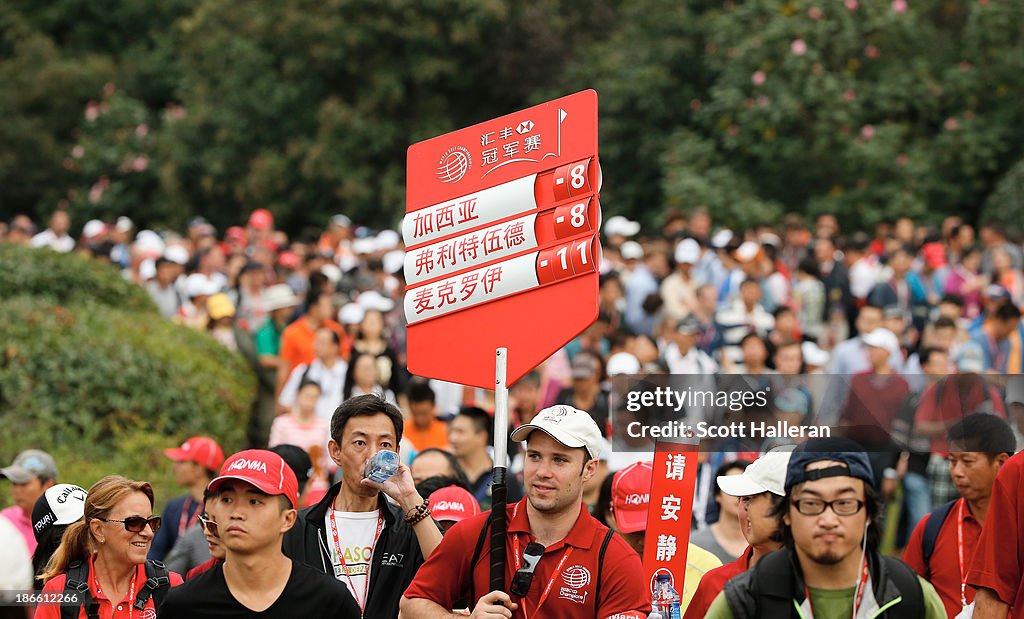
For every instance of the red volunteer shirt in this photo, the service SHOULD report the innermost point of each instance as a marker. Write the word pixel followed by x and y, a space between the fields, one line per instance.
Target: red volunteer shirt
pixel 944 571
pixel 713 582
pixel 954 405
pixel 569 566
pixel 123 610
pixel 999 560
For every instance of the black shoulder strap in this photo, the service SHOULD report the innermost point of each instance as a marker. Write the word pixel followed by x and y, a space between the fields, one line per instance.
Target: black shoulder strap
pixel 476 556
pixel 76 580
pixel 773 584
pixel 158 581
pixel 908 585
pixel 600 566
pixel 931 533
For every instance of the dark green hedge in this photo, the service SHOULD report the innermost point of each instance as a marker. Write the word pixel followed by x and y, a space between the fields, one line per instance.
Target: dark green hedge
pixel 102 381
pixel 67 279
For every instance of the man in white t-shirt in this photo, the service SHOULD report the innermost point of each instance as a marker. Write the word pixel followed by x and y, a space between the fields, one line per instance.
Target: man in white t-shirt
pixel 327 370
pixel 56 236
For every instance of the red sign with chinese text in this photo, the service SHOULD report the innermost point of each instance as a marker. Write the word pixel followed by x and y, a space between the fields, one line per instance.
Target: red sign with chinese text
pixel 501 232
pixel 670 511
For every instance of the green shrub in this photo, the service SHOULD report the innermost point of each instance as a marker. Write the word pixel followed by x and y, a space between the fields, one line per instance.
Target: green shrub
pixel 67 279
pixel 104 384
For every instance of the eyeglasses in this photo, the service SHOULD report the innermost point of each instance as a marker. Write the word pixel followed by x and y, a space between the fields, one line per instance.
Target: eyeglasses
pixel 135 524
pixel 840 507
pixel 209 524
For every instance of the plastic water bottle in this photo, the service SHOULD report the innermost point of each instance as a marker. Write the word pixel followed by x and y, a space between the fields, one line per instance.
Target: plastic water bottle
pixel 654 615
pixel 667 602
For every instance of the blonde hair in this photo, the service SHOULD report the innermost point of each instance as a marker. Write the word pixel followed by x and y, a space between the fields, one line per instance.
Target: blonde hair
pixel 77 544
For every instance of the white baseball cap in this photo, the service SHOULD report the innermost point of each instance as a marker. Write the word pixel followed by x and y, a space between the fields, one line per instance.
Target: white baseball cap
pixel 622 363
pixel 620 226
pixel 687 251
pixel 631 250
pixel 766 474
pixel 882 338
pixel 569 426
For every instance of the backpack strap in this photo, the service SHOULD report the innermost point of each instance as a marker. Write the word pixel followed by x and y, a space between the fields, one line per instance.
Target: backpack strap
pixel 76 580
pixel 158 581
pixel 773 585
pixel 600 566
pixel 909 586
pixel 931 533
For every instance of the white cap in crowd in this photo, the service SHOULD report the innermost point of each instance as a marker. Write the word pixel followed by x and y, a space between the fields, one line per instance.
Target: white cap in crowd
pixel 620 226
pixel 569 426
pixel 622 363
pixel 687 251
pixel 882 338
pixel 766 474
pixel 631 250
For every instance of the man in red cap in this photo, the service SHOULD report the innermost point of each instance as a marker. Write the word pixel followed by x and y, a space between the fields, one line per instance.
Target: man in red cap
pixel 254 504
pixel 195 463
pixel 452 504
pixel 260 227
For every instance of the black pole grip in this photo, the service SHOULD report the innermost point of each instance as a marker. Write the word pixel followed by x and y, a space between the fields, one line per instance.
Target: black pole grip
pixel 498 527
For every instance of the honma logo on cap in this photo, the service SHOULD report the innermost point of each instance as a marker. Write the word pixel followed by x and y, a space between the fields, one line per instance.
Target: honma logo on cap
pixel 248 465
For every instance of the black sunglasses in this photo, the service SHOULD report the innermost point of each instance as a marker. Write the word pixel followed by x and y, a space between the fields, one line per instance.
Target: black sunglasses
pixel 135 524
pixel 209 524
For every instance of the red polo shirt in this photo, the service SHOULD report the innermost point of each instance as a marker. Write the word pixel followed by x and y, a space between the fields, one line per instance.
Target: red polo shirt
pixel 944 571
pixel 999 560
pixel 107 610
pixel 569 566
pixel 712 583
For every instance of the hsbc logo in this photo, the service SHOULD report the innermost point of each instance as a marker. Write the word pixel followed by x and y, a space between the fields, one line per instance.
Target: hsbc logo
pixel 244 464
pixel 637 499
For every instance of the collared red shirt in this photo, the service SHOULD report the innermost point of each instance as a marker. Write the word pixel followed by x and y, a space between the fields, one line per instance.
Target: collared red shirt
pixel 943 571
pixel 998 559
pixel 446 576
pixel 713 583
pixel 107 610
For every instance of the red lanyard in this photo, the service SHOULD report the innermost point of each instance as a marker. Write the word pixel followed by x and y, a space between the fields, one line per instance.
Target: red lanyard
pixel 861 587
pixel 186 521
pixel 113 603
pixel 551 581
pixel 341 558
pixel 960 550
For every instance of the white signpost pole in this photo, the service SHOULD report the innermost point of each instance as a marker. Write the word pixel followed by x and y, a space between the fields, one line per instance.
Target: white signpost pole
pixel 498 489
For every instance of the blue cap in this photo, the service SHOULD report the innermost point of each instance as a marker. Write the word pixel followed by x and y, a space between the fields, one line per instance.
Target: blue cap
pixel 854 461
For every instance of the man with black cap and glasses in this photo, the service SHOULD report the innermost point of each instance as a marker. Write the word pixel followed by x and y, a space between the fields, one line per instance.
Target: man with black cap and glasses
pixel 830 565
pixel 562 563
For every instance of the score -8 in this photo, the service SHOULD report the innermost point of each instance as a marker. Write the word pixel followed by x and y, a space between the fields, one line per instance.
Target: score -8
pixel 572 219
pixel 572 180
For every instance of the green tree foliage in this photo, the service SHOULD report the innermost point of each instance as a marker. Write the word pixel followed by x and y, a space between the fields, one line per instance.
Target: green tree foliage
pixel 863 107
pixel 92 375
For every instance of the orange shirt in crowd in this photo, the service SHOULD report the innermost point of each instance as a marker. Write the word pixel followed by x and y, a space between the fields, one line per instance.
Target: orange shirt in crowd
pixel 436 435
pixel 297 342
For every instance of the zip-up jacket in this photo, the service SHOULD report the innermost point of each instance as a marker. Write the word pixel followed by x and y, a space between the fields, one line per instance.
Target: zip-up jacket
pixel 775 588
pixel 396 557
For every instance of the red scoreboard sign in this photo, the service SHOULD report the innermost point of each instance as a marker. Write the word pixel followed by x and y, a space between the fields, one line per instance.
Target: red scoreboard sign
pixel 501 234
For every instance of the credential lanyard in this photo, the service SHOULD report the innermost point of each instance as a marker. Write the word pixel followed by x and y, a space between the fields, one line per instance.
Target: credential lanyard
pixel 369 563
pixel 960 551
pixel 551 581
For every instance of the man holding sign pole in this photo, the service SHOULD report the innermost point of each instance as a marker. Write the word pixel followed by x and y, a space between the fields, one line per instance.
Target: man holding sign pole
pixel 579 569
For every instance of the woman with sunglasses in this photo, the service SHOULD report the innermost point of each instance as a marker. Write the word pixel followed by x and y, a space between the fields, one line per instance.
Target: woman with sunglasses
pixel 198 545
pixel 106 551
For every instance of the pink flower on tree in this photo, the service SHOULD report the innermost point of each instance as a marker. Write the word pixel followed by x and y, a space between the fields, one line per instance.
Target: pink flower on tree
pixel 140 163
pixel 798 47
pixel 872 52
pixel 758 78
pixel 900 6
pixel 849 95
pixel 902 159
pixel 695 105
pixel 815 13
pixel 733 130
pixel 851 5
pixel 142 130
pixel 950 124
pixel 78 151
pixel 109 89
pixel 92 111
pixel 867 132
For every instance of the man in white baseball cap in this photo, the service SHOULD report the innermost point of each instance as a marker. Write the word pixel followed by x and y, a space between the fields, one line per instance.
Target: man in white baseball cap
pixel 598 573
pixel 760 488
